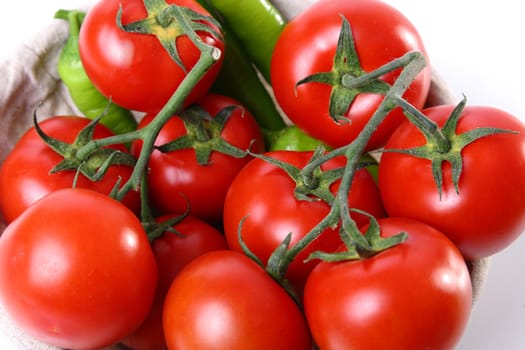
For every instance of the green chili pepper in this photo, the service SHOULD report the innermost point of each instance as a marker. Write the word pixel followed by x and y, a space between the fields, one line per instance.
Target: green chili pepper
pixel 257 24
pixel 239 79
pixel 294 139
pixel 89 101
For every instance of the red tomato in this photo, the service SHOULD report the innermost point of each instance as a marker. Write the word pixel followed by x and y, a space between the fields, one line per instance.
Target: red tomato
pixel 225 300
pixel 489 211
pixel 307 46
pixel 172 253
pixel 416 295
pixel 264 194
pixel 25 177
pixel 176 177
pixel 133 69
pixel 77 270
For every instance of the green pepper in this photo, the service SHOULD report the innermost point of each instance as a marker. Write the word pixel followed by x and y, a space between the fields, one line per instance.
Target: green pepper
pixel 89 101
pixel 257 24
pixel 294 139
pixel 239 79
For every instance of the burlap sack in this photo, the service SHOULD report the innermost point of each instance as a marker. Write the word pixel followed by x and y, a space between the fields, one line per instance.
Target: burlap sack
pixel 29 79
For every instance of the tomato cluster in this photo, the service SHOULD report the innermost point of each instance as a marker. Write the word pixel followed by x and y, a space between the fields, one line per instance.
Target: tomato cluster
pixel 189 233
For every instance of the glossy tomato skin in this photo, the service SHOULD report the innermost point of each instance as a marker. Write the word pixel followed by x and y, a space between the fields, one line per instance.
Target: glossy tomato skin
pixel 263 195
pixel 307 46
pixel 173 252
pixel 176 178
pixel 25 177
pixel 132 69
pixel 489 211
pixel 416 295
pixel 224 300
pixel 77 270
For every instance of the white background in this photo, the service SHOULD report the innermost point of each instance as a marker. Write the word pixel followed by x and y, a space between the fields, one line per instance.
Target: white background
pixel 478 47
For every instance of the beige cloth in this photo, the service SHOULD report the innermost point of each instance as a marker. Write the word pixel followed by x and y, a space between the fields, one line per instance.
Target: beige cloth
pixel 30 79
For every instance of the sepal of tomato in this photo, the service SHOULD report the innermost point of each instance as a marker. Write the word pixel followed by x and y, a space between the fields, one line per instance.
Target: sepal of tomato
pixel 93 165
pixel 203 134
pixel 25 174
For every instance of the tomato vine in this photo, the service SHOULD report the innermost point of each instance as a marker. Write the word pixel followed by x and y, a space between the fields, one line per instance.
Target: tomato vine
pixel 348 79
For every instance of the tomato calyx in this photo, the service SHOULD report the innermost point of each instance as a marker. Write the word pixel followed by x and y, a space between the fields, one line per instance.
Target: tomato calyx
pixel 347 77
pixel 444 144
pixel 204 134
pixel 357 248
pixel 311 183
pixel 153 226
pixel 93 165
pixel 155 229
pixel 168 22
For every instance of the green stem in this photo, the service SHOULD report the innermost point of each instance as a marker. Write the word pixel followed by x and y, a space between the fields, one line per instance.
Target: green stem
pixel 427 126
pixel 413 63
pixel 352 82
pixel 149 133
pixel 108 141
pixel 174 105
pixel 278 271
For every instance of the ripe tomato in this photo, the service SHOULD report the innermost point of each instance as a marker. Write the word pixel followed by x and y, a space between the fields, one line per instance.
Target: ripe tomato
pixel 416 295
pixel 223 299
pixel 263 194
pixel 489 211
pixel 25 177
pixel 172 253
pixel 135 70
pixel 307 46
pixel 77 270
pixel 176 178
